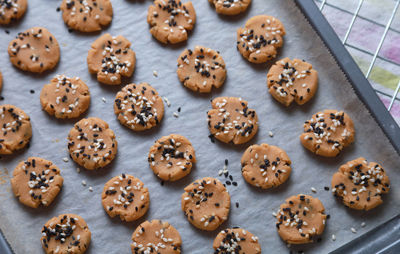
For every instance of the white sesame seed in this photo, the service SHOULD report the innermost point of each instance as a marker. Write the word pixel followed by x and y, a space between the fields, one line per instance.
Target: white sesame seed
pixel 104 100
pixel 333 237
pixel 363 224
pixel 271 134
pixel 90 188
pixel 353 230
pixel 155 73
pixel 83 182
pixel 176 114
pixel 313 190
pixel 65 159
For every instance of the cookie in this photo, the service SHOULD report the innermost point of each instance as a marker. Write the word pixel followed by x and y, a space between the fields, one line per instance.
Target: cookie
pixel 125 196
pixel 301 219
pixel 201 69
pixel 16 129
pixel 260 38
pixel 139 107
pixel 265 166
pixel 171 20
pixel 328 132
pixel 156 236
pixel 36 181
pixel 292 80
pixel 11 10
pixel 172 157
pixel 236 240
pixel 230 120
pixel 111 58
pixel 230 7
pixel 65 97
pixel 360 185
pixel 206 203
pixel 67 233
pixel 91 143
pixel 35 50
pixel 88 15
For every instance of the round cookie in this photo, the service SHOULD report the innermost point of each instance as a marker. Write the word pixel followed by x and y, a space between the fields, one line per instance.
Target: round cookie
pixel 206 203
pixel 16 129
pixel 301 219
pixel 230 120
pixel 201 69
pixel 11 10
pixel 65 97
pixel 139 107
pixel 36 181
pixel 125 196
pixel 171 20
pixel 35 50
pixel 360 185
pixel 91 143
pixel 236 240
pixel 328 132
pixel 265 166
pixel 292 80
pixel 172 157
pixel 111 58
pixel 66 233
pixel 88 15
pixel 156 236
pixel 260 38
pixel 230 7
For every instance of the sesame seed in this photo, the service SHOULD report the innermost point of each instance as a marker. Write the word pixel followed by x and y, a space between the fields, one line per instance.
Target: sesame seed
pixel 313 190
pixel 155 73
pixel 271 134
pixel 90 188
pixel 83 182
pixel 333 237
pixel 104 99
pixel 353 230
pixel 65 159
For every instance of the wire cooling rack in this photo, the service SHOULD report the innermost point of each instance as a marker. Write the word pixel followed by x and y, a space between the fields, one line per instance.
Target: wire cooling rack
pixel 374 54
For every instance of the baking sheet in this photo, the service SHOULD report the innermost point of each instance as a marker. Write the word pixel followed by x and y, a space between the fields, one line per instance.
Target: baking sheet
pixel 22 225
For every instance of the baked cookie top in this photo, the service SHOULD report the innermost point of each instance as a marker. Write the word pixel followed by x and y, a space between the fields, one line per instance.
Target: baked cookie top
pixel 125 196
pixel 111 58
pixel 201 69
pixel 35 50
pixel 156 236
pixel 139 107
pixel 328 132
pixel 265 166
pixel 11 10
pixel 66 233
pixel 230 7
pixel 260 38
pixel 91 143
pixel 86 15
pixel 172 157
pixel 360 184
pixel 65 97
pixel 36 181
pixel 206 203
pixel 236 240
pixel 300 219
pixel 292 80
pixel 170 20
pixel 230 120
pixel 16 129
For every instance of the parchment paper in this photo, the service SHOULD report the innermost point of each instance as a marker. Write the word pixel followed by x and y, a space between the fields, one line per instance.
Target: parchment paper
pixel 22 226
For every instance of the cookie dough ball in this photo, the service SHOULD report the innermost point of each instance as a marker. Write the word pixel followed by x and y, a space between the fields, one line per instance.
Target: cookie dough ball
pixel 111 58
pixel 328 132
pixel 156 236
pixel 67 233
pixel 16 129
pixel 171 20
pixel 265 166
pixel 206 203
pixel 301 219
pixel 35 50
pixel 91 143
pixel 230 120
pixel 88 15
pixel 172 157
pixel 360 184
pixel 260 38
pixel 236 240
pixel 65 97
pixel 230 7
pixel 290 81
pixel 139 107
pixel 36 181
pixel 11 10
pixel 201 69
